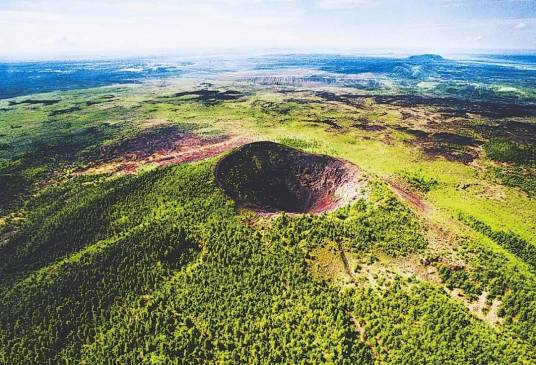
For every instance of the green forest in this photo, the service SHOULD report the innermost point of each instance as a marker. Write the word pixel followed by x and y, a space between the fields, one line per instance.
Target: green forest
pixel 166 271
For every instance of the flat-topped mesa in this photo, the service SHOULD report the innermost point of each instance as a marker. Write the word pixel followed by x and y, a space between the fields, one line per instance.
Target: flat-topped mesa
pixel 270 177
pixel 426 58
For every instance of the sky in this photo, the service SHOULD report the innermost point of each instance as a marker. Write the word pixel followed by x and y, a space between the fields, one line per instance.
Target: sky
pixel 56 28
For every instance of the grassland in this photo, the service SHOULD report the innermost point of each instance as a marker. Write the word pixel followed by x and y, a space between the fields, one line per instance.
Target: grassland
pixel 118 245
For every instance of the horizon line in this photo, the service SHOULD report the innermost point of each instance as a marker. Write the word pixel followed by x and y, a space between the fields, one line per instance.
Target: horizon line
pixel 213 52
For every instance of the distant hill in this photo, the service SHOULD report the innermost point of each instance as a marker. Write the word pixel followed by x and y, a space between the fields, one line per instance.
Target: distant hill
pixel 426 57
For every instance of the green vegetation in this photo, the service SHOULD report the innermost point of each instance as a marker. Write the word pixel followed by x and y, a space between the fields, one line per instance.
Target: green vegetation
pixel 502 278
pixel 515 176
pixel 142 257
pixel 419 182
pixel 157 265
pixel 168 271
pixel 300 143
pixel 512 152
pixel 418 324
pixel 510 241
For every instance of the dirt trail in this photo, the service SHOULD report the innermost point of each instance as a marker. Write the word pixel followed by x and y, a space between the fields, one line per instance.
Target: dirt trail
pixel 412 198
pixel 345 262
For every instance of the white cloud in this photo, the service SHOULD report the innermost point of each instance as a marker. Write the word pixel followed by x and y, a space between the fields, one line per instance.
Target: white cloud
pixel 344 4
pixel 451 3
pixel 475 38
pixel 136 26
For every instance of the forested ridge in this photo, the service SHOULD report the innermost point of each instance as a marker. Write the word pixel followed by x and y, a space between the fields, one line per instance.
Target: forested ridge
pixel 162 268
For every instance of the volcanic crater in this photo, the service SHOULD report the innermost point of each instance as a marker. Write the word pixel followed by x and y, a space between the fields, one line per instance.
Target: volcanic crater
pixel 269 177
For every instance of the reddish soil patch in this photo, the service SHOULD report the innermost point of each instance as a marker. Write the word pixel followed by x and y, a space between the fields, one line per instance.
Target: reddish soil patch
pixel 164 146
pixel 322 204
pixel 187 148
pixel 193 148
pixel 412 198
pixel 156 140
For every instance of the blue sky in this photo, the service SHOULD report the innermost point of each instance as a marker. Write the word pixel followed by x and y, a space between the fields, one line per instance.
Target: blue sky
pixel 33 28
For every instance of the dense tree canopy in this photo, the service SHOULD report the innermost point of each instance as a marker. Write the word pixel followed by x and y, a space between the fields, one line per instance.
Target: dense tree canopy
pixel 160 268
